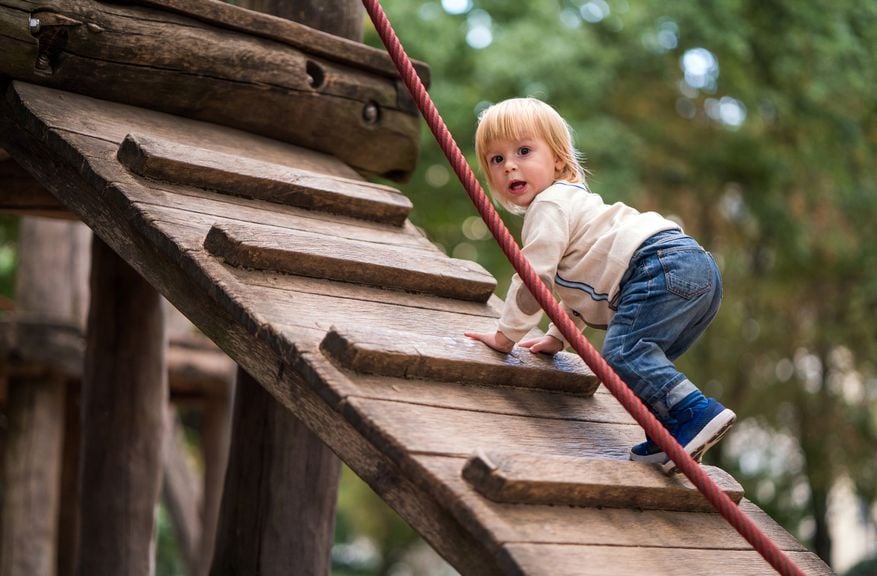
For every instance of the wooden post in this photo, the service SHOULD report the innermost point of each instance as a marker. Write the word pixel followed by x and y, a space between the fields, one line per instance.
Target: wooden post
pixel 123 401
pixel 215 441
pixel 50 262
pixel 278 509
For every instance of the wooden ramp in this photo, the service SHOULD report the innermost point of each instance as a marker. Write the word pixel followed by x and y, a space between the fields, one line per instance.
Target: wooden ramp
pixel 313 281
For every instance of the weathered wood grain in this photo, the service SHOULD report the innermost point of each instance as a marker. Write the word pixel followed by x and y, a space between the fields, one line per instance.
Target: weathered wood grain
pixel 308 39
pixel 380 265
pixel 535 402
pixel 401 429
pixel 157 59
pixel 500 524
pixel 530 560
pixel 518 478
pixel 183 164
pixel 414 355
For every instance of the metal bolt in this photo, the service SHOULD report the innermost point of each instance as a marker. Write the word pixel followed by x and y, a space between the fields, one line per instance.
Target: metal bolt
pixel 33 25
pixel 371 113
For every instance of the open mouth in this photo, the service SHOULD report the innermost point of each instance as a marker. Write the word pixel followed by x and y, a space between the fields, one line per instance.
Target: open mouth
pixel 517 185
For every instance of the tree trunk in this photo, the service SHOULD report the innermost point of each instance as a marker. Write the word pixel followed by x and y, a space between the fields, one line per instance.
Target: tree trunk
pixel 50 270
pixel 123 401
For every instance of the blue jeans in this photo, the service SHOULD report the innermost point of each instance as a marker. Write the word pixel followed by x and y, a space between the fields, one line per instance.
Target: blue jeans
pixel 668 296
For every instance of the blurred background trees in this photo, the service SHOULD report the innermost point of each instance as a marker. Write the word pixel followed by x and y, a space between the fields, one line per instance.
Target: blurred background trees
pixel 752 124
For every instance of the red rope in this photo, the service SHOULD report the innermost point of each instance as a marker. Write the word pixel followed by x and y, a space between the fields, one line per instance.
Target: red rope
pixel 656 431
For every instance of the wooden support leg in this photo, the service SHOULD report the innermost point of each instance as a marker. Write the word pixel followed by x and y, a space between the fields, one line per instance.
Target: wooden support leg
pixel 215 439
pixel 278 509
pixel 123 401
pixel 31 479
pixel 52 261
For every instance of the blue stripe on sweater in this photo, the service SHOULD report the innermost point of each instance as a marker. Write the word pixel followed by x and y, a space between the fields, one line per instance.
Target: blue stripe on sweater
pixel 586 288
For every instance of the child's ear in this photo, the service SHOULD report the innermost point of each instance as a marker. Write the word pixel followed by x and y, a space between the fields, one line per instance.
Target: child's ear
pixel 558 166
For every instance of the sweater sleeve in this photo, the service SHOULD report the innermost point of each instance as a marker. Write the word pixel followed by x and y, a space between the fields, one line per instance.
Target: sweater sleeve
pixel 576 319
pixel 545 239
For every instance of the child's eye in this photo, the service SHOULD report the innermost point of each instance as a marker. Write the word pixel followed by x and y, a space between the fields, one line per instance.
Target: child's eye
pixel 524 150
pixel 496 159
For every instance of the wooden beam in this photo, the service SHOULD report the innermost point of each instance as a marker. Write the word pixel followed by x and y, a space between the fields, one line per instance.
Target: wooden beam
pixel 30 346
pixel 164 160
pixel 564 481
pixel 124 398
pixel 154 58
pixel 23 195
pixel 409 355
pixel 370 263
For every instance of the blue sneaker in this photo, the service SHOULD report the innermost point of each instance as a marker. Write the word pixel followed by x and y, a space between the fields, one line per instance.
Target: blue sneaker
pixel 697 429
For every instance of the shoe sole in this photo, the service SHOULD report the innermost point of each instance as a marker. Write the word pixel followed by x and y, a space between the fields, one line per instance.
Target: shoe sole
pixel 714 431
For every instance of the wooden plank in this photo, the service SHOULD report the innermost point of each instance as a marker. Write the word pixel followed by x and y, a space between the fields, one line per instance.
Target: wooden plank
pixel 228 173
pixel 157 59
pixel 500 523
pixel 401 429
pixel 192 205
pixel 600 407
pixel 531 560
pixel 521 478
pixel 314 255
pixel 413 355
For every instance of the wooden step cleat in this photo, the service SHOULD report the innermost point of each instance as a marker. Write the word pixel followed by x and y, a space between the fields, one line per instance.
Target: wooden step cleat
pixel 454 359
pixel 346 260
pixel 559 480
pixel 250 178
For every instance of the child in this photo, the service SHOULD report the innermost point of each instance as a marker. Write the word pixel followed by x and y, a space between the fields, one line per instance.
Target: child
pixel 653 289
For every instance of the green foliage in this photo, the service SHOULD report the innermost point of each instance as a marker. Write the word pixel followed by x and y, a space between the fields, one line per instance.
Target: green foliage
pixel 8 241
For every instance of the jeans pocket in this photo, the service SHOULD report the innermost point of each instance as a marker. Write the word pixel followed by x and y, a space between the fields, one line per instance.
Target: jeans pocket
pixel 687 271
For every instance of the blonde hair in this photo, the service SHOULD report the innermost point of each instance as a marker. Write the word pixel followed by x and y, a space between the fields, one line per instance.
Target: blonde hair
pixel 518 118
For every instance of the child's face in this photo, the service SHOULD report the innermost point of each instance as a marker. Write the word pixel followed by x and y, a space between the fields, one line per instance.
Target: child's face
pixel 521 169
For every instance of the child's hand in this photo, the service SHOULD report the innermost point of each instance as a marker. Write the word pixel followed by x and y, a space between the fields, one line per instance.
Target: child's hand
pixel 496 340
pixel 544 344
